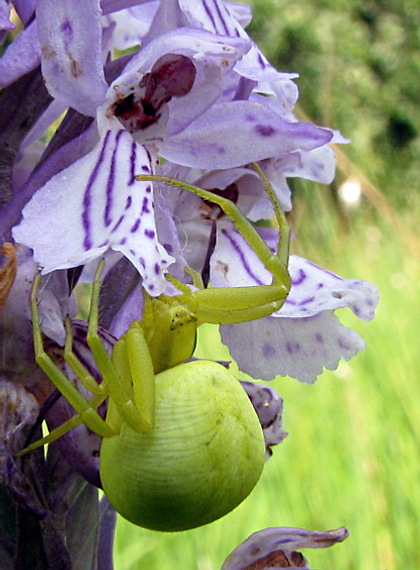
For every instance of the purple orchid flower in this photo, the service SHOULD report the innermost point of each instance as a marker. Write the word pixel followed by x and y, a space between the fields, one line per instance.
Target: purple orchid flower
pixel 183 120
pixel 193 98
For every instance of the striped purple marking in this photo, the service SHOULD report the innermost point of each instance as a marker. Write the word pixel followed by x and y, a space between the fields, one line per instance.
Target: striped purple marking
pixel 87 198
pixel 241 256
pixel 133 157
pixel 111 181
pixel 300 278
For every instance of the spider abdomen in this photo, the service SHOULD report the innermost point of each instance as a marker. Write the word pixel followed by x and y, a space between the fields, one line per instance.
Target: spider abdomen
pixel 201 459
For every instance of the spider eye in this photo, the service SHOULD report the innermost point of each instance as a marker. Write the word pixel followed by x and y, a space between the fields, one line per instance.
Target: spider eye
pixel 182 316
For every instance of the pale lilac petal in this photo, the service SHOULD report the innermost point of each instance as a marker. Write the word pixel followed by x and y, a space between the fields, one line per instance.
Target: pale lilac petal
pixel 21 56
pixel 24 9
pixel 252 196
pixel 269 407
pixel 54 304
pixel 70 34
pixel 241 12
pixel 219 138
pixel 196 44
pixel 168 235
pixel 5 23
pixel 315 289
pixel 109 6
pixel 300 348
pixel 317 164
pixel 234 263
pixel 95 205
pixel 276 546
pixel 218 17
pixel 131 24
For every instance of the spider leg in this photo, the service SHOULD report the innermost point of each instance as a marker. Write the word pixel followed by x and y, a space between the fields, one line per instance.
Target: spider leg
pixel 78 368
pixel 276 263
pixel 239 304
pixel 61 430
pixel 129 374
pixel 83 407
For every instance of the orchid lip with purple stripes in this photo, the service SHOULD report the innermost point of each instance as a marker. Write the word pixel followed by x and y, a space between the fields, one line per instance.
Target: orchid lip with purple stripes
pixel 96 205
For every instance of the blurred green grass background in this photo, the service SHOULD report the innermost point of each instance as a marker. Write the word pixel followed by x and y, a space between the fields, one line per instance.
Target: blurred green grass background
pixel 352 454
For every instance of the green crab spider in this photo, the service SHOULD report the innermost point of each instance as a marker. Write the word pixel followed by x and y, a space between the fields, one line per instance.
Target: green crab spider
pixel 182 444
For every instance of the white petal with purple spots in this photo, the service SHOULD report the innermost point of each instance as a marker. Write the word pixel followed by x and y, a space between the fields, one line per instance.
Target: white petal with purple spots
pixel 300 348
pixel 315 289
pixel 95 205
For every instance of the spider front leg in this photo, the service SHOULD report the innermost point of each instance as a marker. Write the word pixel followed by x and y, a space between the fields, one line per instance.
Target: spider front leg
pixel 239 304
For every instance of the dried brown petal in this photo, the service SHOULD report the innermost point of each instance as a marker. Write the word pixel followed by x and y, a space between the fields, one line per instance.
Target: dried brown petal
pixel 7 272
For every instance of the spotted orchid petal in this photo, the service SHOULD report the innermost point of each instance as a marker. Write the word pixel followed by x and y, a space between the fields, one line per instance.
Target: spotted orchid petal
pixel 219 137
pixel 95 205
pixel 300 348
pixel 304 336
pixel 131 24
pixel 197 44
pixel 70 34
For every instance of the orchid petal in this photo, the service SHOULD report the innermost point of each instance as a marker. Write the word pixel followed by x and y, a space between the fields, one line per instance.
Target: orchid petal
pixel 196 44
pixel 110 6
pixel 315 289
pixel 219 18
pixel 5 23
pixel 300 348
pixel 131 24
pixel 70 33
pixel 212 56
pixel 269 407
pixel 317 164
pixel 241 12
pixel 22 56
pixel 95 205
pixel 219 138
